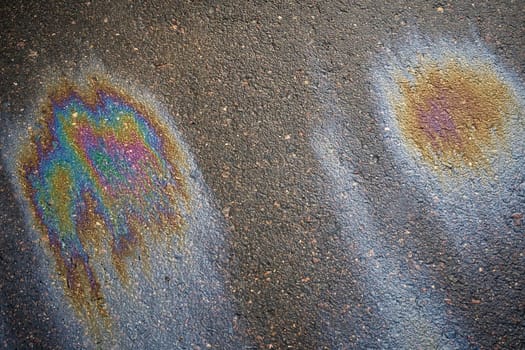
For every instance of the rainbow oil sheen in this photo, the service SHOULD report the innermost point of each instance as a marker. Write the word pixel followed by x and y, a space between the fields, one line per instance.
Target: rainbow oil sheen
pixel 102 176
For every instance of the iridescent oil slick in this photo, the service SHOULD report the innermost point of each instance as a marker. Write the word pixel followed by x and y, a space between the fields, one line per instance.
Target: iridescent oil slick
pixel 453 113
pixel 102 176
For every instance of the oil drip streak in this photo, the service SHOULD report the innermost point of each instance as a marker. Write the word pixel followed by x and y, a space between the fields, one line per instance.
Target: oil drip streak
pixel 102 176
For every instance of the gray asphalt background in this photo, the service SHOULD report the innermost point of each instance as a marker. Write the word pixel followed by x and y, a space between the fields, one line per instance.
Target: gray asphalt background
pixel 241 81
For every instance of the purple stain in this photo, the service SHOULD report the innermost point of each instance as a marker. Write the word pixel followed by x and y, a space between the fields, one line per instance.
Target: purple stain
pixel 437 123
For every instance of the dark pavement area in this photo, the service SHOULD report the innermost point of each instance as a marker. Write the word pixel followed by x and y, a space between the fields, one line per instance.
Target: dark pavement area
pixel 306 260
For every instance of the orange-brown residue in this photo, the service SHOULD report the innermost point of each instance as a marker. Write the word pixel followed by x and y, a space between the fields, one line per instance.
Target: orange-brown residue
pixel 454 114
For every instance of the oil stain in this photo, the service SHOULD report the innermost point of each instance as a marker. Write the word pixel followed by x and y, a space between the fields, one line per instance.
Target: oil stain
pixel 102 176
pixel 454 114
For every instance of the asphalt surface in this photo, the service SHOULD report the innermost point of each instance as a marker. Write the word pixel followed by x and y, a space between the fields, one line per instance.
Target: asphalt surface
pixel 310 224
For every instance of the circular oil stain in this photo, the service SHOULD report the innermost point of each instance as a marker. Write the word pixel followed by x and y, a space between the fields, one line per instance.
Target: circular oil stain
pixel 102 176
pixel 454 114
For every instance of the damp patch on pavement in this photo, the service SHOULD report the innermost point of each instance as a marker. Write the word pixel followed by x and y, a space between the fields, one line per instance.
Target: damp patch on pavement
pixel 392 286
pixel 450 114
pixel 129 240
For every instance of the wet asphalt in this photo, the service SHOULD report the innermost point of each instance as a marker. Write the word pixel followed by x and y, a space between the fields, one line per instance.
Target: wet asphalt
pixel 249 86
